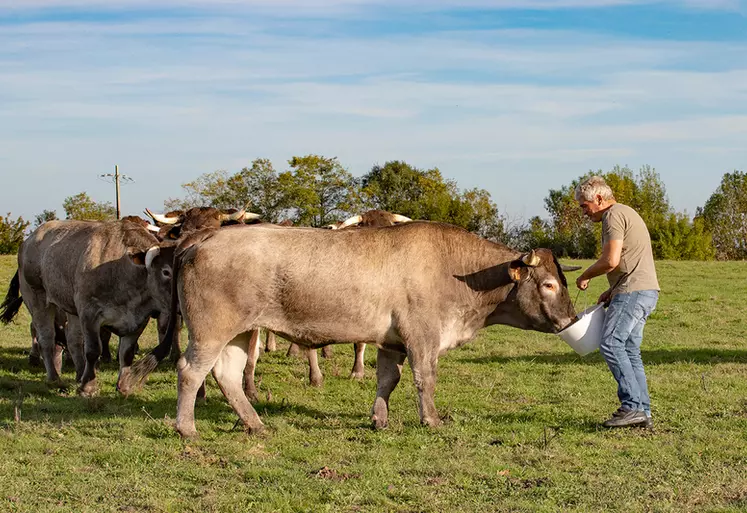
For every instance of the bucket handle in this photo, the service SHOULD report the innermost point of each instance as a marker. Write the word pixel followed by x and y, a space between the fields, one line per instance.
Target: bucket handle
pixel 586 298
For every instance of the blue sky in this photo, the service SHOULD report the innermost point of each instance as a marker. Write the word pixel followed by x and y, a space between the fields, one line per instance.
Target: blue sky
pixel 513 96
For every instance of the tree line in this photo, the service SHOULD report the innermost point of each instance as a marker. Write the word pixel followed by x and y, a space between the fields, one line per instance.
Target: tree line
pixel 317 191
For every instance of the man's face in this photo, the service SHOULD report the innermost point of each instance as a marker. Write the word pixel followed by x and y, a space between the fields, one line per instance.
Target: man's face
pixel 593 209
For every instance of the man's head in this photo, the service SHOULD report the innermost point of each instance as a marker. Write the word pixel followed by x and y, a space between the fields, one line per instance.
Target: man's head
pixel 594 197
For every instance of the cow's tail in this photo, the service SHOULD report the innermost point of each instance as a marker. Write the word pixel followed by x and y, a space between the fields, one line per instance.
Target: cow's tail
pixel 12 302
pixel 141 369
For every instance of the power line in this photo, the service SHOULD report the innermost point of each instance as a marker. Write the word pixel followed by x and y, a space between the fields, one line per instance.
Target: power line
pixel 116 179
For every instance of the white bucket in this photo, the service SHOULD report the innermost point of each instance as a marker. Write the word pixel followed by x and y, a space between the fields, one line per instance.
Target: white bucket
pixel 585 335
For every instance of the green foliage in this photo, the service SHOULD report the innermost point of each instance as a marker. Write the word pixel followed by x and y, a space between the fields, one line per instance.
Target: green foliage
pixel 12 234
pixel 256 189
pixel 201 192
pixel 47 215
pixel 320 190
pixel 424 194
pixel 673 235
pixel 725 216
pixel 678 238
pixel 82 207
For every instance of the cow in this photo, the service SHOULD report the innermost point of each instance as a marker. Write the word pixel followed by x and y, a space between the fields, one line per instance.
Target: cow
pixel 60 324
pixel 177 223
pixel 414 290
pixel 95 272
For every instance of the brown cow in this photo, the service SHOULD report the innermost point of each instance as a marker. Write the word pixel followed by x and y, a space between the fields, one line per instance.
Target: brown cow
pixel 415 291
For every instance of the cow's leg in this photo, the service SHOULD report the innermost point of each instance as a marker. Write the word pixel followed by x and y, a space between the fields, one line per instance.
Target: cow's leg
pixel 51 355
pixel 293 350
pixel 315 373
pixel 388 374
pixel 228 373
pixel 176 351
pixel 250 387
pixel 424 363
pixel 358 369
pixel 106 353
pixel 127 350
pixel 327 351
pixel 91 329
pixel 270 342
pixel 75 345
pixel 35 354
pixel 192 367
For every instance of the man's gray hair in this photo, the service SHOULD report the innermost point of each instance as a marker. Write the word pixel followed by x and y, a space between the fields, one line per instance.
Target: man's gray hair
pixel 589 188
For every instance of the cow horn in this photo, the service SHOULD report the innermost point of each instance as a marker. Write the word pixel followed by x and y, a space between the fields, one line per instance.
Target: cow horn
pixel 531 259
pixel 569 268
pixel 398 218
pixel 250 216
pixel 150 255
pixel 236 216
pixel 162 218
pixel 153 228
pixel 351 221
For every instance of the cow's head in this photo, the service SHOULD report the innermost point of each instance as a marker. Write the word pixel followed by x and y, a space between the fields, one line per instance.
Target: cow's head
pixel 173 227
pixel 159 261
pixel 540 293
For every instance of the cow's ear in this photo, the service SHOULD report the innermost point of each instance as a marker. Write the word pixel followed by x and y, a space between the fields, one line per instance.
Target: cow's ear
pixel 137 257
pixel 514 269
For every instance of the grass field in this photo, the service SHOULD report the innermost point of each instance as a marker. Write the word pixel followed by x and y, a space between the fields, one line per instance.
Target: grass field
pixel 522 430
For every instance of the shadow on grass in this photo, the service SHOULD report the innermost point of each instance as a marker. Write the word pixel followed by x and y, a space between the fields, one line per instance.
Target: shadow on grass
pixel 650 357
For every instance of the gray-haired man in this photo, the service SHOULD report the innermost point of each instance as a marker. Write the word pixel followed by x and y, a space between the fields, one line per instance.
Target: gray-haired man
pixel 628 262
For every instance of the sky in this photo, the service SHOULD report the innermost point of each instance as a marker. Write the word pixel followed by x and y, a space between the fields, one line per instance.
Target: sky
pixel 516 97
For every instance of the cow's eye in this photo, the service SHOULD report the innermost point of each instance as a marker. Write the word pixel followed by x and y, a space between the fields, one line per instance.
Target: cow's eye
pixel 166 273
pixel 549 286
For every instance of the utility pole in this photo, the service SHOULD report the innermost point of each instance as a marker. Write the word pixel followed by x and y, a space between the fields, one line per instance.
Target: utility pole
pixel 117 177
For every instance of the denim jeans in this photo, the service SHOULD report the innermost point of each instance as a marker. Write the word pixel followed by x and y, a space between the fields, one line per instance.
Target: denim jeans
pixel 621 346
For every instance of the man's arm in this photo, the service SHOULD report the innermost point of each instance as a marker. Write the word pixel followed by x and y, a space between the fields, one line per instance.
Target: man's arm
pixel 608 261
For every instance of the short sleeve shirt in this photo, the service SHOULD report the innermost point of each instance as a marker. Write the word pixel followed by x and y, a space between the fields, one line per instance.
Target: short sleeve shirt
pixel 636 270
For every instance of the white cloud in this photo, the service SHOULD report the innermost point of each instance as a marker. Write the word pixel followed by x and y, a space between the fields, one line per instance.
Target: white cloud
pixel 535 107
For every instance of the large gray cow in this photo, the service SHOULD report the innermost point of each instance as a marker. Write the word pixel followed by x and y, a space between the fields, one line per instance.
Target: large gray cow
pixel 95 273
pixel 414 290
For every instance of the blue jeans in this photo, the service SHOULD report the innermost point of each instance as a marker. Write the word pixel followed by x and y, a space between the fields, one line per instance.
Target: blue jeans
pixel 621 346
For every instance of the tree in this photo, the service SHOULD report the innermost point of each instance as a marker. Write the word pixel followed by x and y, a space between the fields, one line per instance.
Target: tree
pixel 677 238
pixel 725 216
pixel 484 219
pixel 424 194
pixel 258 190
pixel 11 234
pixel 83 207
pixel 320 190
pixel 47 215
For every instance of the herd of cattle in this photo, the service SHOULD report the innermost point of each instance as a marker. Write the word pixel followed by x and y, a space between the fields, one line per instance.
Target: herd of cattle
pixel 414 289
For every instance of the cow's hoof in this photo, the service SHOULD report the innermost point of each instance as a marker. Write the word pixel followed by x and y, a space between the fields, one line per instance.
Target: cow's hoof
pixel 378 423
pixel 90 389
pixel 316 382
pixel 188 434
pixel 357 375
pixel 256 430
pixel 59 385
pixel 431 421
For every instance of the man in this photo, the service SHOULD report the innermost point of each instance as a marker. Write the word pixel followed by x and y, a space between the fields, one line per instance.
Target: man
pixel 628 262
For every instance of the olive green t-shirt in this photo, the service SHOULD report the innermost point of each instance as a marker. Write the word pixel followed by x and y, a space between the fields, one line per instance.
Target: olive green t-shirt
pixel 636 269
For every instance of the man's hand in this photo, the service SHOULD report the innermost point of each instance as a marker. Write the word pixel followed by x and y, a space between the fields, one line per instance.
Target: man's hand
pixel 604 297
pixel 582 283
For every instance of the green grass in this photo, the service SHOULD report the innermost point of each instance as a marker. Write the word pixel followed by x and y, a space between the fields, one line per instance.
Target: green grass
pixel 521 434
